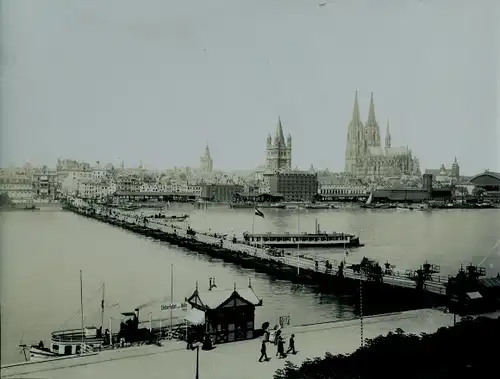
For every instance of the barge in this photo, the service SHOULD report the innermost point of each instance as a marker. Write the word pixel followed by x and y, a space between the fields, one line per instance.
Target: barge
pixel 260 205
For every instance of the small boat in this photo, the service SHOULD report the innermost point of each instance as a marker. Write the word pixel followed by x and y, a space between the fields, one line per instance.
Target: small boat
pixel 69 342
pixel 319 206
pixel 273 205
pixel 91 340
pixel 242 205
pixel 183 217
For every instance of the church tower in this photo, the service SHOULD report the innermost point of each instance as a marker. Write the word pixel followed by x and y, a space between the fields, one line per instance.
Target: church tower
pixel 387 136
pixel 206 162
pixel 455 169
pixel 279 152
pixel 372 130
pixel 355 140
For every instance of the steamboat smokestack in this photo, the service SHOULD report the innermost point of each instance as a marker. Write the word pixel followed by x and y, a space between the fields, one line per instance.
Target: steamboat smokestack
pixel 137 313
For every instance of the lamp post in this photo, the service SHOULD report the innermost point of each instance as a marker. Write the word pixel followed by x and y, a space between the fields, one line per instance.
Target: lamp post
pixel 197 346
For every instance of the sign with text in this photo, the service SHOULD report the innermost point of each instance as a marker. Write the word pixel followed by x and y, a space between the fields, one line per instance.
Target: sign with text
pixel 171 307
pixel 284 321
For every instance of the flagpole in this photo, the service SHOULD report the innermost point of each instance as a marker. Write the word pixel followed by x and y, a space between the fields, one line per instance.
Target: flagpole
pixel 298 240
pixel 253 219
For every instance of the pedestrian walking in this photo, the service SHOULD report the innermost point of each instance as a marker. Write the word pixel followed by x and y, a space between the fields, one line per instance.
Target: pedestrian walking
pixel 263 352
pixel 291 345
pixel 281 348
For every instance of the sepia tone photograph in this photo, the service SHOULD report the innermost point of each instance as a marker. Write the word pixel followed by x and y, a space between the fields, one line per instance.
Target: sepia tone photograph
pixel 249 189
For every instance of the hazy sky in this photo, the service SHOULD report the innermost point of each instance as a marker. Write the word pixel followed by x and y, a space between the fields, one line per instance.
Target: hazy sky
pixel 157 79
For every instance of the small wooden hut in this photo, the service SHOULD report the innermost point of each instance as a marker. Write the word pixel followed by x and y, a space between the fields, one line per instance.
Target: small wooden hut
pixel 225 315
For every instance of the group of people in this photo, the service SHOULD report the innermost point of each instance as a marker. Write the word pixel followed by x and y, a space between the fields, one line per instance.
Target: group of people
pixel 280 346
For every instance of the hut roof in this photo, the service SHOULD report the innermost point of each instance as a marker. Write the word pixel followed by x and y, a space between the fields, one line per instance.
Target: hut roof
pixel 215 298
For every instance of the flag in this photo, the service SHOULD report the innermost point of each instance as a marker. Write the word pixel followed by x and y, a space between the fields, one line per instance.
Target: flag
pixel 259 213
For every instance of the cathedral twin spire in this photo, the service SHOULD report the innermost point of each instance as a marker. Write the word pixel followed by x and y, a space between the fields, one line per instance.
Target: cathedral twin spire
pixel 370 130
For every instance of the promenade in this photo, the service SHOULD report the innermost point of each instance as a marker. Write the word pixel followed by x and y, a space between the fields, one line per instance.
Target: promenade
pixel 231 360
pixel 401 278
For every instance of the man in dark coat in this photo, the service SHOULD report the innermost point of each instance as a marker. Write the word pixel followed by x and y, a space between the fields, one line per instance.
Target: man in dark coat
pixel 281 348
pixel 263 352
pixel 291 345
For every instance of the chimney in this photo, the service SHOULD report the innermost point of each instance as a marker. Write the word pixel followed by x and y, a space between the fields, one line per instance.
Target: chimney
pixel 137 313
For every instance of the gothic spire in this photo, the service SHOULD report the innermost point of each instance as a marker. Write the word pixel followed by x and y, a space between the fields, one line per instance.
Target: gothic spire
pixel 356 118
pixel 279 138
pixel 387 136
pixel 371 112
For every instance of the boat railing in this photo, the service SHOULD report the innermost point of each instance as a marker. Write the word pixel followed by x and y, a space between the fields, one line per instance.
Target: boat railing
pixel 72 335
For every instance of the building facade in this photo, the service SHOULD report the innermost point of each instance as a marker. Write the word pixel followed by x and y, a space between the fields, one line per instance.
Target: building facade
pixel 294 185
pixel 221 193
pixel 366 157
pixel 333 191
pixel 444 175
pixel 279 152
pixel 17 185
pixel 45 184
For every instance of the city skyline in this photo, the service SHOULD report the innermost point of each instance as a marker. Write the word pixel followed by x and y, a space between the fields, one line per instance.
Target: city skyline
pixel 85 81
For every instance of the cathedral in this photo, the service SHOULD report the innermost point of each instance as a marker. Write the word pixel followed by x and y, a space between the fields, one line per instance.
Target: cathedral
pixel 366 157
pixel 279 153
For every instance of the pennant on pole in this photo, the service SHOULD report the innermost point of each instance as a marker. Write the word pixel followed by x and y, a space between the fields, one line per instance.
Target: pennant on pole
pixel 259 213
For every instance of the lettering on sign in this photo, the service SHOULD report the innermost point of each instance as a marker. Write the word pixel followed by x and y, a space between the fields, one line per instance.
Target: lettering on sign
pixel 284 321
pixel 168 307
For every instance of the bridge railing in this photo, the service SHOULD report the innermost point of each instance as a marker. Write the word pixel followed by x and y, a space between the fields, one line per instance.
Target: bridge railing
pixel 434 283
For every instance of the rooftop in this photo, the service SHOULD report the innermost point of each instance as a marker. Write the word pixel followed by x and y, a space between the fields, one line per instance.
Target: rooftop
pixel 215 298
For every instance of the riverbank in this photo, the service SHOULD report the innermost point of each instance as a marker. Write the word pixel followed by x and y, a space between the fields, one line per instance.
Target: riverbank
pixel 173 360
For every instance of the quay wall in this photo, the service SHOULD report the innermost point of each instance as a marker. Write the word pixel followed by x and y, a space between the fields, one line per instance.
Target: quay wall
pixel 396 288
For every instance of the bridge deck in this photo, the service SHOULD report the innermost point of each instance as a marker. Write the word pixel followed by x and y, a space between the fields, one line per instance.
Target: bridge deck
pixel 436 284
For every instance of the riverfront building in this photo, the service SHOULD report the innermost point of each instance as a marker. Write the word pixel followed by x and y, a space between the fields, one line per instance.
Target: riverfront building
pixel 45 184
pixel 444 175
pixel 294 185
pixel 365 157
pixel 17 184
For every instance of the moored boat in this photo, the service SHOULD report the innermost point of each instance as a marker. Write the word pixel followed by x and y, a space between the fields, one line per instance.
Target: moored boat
pixel 259 205
pixel 304 240
pixel 68 342
pixel 319 206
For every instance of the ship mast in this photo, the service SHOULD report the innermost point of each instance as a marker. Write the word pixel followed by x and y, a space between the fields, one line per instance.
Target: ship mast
pixel 102 307
pixel 81 305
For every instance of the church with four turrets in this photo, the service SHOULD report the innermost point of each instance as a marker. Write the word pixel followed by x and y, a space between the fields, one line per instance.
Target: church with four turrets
pixel 279 152
pixel 366 157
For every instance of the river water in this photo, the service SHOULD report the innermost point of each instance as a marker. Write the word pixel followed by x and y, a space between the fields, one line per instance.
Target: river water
pixel 43 252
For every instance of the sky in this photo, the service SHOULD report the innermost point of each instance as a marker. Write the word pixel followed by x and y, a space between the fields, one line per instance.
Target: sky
pixel 156 80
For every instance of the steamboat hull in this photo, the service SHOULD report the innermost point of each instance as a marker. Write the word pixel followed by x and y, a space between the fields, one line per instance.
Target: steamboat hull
pixel 311 244
pixel 38 354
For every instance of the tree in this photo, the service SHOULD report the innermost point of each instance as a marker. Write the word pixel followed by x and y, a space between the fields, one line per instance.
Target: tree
pixel 465 350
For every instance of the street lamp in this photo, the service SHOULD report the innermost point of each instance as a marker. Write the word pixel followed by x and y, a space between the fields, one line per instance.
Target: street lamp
pixel 197 346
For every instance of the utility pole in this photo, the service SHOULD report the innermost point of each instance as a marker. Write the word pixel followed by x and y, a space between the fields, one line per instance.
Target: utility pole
pixel 361 312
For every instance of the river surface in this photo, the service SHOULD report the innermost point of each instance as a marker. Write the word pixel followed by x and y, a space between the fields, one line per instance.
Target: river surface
pixel 43 252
